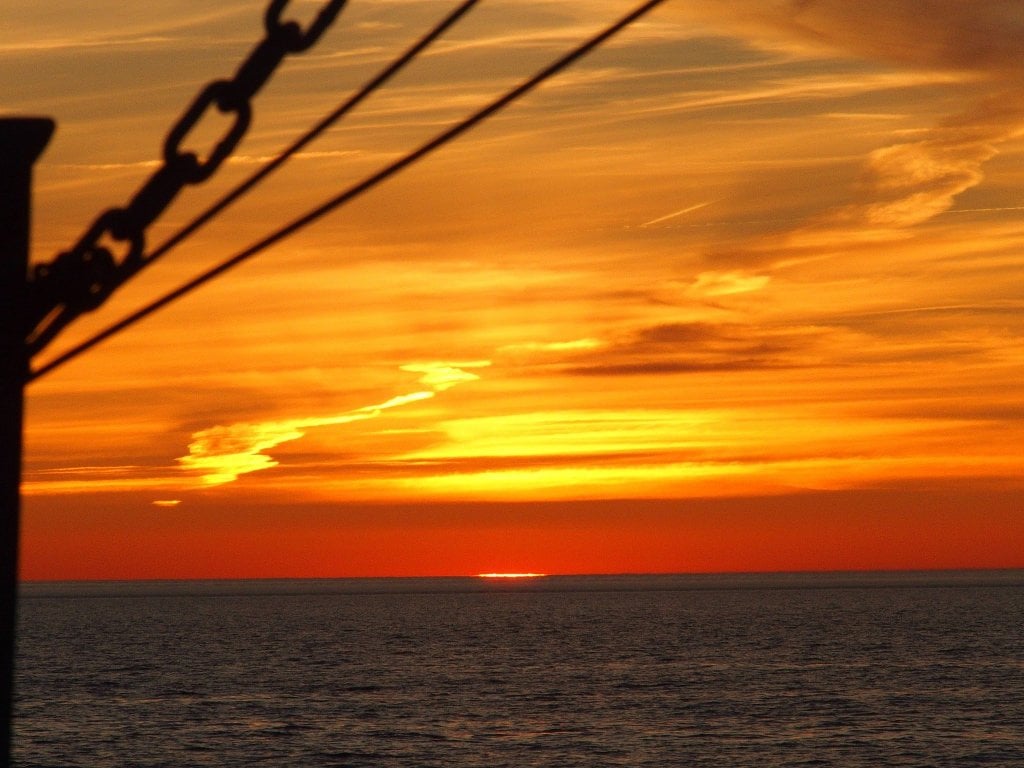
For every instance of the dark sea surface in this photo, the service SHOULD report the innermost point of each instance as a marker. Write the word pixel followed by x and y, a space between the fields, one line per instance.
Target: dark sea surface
pixel 883 669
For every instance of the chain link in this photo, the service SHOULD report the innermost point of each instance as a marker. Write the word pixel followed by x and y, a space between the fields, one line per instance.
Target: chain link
pixel 80 279
pixel 297 40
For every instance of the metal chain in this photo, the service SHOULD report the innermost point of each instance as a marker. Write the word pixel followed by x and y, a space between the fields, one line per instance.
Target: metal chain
pixel 81 279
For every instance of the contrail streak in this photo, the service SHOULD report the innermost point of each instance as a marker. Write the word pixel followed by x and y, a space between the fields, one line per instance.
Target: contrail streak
pixel 696 207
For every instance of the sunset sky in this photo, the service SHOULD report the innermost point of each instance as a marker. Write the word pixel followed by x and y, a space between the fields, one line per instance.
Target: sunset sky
pixel 742 290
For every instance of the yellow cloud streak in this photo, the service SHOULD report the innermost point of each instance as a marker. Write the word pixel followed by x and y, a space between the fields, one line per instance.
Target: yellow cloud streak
pixel 222 453
pixel 698 479
pixel 98 485
pixel 713 432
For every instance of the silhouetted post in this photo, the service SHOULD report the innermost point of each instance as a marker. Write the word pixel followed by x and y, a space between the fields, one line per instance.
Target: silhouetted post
pixel 22 140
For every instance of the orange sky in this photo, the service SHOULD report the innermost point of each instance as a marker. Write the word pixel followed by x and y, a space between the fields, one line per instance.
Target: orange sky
pixel 740 291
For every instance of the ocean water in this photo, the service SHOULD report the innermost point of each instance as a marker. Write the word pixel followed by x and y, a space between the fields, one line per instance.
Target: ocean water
pixel 922 669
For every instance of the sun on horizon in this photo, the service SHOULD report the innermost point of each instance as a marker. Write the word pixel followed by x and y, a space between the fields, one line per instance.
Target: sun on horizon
pixel 528 575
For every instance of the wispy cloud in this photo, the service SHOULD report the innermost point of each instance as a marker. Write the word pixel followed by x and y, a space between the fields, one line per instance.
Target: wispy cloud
pixel 575 345
pixel 441 376
pixel 715 284
pixel 233 160
pixel 908 183
pixel 696 347
pixel 90 28
pixel 70 44
pixel 224 452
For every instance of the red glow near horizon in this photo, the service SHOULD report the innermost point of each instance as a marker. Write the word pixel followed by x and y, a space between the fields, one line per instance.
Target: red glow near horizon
pixel 113 537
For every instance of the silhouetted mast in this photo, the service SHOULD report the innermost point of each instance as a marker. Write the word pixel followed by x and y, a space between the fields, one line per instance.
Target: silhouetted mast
pixel 22 140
